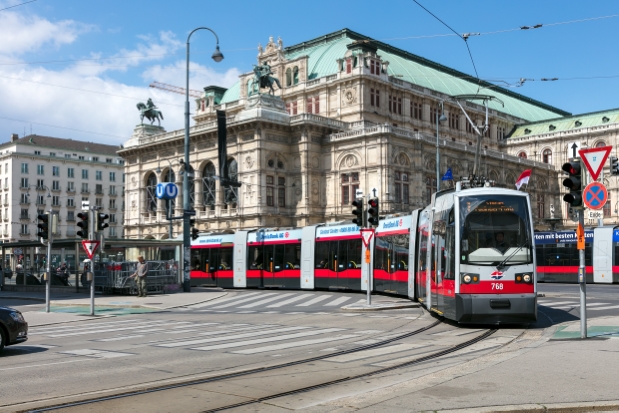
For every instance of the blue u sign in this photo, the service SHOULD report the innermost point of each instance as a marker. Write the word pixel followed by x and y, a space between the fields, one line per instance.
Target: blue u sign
pixel 166 190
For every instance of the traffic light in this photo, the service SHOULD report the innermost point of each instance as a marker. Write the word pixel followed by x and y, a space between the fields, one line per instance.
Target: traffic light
pixel 573 182
pixel 373 211
pixel 358 212
pixel 83 224
pixel 43 226
pixel 195 232
pixel 614 165
pixel 101 224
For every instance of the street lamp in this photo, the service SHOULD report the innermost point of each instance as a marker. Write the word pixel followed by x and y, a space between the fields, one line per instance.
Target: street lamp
pixel 218 57
pixel 442 118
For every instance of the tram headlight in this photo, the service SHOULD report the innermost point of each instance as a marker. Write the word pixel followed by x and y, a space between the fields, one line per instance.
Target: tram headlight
pixel 468 278
pixel 527 278
pixel 524 277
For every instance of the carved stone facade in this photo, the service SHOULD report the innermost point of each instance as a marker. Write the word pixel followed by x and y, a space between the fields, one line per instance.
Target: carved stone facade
pixel 302 154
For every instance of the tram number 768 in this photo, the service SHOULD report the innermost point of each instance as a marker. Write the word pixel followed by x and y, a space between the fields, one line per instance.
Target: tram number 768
pixel 497 286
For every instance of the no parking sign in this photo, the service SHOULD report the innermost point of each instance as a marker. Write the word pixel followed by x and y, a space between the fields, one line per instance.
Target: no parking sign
pixel 595 195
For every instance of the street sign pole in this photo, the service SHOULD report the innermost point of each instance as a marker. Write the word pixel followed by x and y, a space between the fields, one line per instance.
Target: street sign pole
pixel 582 279
pixel 91 273
pixel 48 275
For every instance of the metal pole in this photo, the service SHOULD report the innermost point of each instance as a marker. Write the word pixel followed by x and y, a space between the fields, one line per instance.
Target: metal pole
pixel 438 181
pixel 48 275
pixel 91 273
pixel 582 280
pixel 369 277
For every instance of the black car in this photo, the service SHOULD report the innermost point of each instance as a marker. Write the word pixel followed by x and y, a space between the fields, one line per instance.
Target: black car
pixel 13 327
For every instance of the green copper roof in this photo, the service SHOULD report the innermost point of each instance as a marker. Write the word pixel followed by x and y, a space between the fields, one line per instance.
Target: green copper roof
pixel 585 120
pixel 324 51
pixel 232 93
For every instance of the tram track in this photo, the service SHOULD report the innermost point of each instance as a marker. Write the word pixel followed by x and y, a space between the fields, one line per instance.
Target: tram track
pixel 234 375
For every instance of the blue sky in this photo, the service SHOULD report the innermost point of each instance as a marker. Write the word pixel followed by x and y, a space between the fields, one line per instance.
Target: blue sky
pixel 76 69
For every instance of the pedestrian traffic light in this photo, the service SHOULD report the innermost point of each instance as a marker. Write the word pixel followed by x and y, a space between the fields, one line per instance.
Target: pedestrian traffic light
pixel 358 212
pixel 614 165
pixel 194 231
pixel 373 211
pixel 573 182
pixel 83 224
pixel 43 226
pixel 101 224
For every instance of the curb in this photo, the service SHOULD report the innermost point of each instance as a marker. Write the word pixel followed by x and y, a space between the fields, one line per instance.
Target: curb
pixel 10 297
pixel 575 407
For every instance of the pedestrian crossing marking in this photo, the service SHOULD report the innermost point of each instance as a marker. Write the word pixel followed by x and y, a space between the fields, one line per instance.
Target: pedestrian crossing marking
pixel 612 307
pixel 267 300
pixel 96 353
pixel 242 300
pixel 224 300
pixel 291 300
pixel 232 337
pixel 338 301
pixel 315 300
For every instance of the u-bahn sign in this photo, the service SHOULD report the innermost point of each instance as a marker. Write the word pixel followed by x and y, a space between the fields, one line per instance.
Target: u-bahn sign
pixel 595 195
pixel 166 190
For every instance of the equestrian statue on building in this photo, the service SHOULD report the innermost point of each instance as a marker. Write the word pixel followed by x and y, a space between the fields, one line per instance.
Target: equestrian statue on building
pixel 150 112
pixel 263 79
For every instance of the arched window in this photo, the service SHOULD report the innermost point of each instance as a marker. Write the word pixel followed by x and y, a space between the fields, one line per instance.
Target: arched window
pixel 547 156
pixel 231 193
pixel 295 75
pixel 288 77
pixel 170 203
pixel 151 194
pixel 208 186
pixel 600 144
pixel 522 155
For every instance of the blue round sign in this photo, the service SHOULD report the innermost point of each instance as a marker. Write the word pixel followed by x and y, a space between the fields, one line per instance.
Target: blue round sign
pixel 166 190
pixel 595 195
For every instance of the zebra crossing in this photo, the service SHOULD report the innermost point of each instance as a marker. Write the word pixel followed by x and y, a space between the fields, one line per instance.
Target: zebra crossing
pixel 575 303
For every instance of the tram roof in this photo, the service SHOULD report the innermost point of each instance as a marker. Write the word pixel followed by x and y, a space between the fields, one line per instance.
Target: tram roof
pixel 323 52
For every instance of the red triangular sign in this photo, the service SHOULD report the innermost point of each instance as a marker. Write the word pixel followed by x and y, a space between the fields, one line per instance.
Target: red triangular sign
pixel 90 247
pixel 594 159
pixel 366 235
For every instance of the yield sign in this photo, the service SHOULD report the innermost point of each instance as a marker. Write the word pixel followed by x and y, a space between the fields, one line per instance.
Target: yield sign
pixel 594 159
pixel 90 246
pixel 595 195
pixel 366 235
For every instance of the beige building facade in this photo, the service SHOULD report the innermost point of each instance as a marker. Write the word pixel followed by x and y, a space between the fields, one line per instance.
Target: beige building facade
pixel 351 114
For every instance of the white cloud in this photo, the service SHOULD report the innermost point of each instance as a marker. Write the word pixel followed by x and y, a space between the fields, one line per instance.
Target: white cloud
pixel 22 34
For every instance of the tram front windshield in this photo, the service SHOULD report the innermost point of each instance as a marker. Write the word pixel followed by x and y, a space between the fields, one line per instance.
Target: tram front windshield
pixel 494 229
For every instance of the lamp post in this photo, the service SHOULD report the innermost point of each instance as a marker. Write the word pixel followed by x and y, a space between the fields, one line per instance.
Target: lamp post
pixel 442 118
pixel 217 57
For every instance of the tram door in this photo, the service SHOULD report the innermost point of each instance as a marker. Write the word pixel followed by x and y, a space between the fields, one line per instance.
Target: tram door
pixel 268 269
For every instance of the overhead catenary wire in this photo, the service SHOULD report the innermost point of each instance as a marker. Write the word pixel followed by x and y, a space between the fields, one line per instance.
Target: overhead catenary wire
pixel 17 5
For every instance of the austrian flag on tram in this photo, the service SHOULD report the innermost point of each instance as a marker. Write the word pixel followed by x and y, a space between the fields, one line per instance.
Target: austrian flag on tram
pixel 523 178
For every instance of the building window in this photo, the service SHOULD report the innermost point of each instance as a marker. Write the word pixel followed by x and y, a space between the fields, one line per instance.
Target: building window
pixel 70 202
pixel 55 185
pixel 395 105
pixel 375 67
pixel 313 104
pixel 95 159
pixel 401 187
pixel 415 109
pixel 113 218
pixel 52 154
pixel 55 200
pixel 67 155
pixel 24 214
pixel 108 160
pixel 547 156
pixel 24 229
pixel 99 175
pixel 500 133
pixel 291 108
pixel 430 188
pixel 270 191
pixel 454 121
pixel 295 75
pixel 55 170
pixel 112 204
pixel 99 189
pixel 375 97
pixel 24 199
pixel 151 196
pixel 350 184
pixel 85 188
pixel 99 202
pixel 600 144
pixel 540 206
pixel 606 209
pixel 112 176
pixel 70 172
pixel 40 169
pixel 208 186
pixel 70 215
pixel 37 152
pixel 40 200
pixel 289 77
pixel 70 186
pixel 349 65
pixel 522 155
pixel 40 184
pixel 112 190
pixel 24 168
pixel 281 191
pixel 24 183
pixel 84 173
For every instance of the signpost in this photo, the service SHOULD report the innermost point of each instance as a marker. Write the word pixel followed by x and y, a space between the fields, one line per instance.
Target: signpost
pixel 595 195
pixel 90 246
pixel 594 159
pixel 366 237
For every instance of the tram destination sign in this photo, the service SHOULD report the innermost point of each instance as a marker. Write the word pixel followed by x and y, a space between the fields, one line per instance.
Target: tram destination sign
pixel 494 207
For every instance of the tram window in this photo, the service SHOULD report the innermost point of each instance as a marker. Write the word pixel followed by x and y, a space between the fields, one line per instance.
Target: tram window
pixel 322 255
pixel 225 262
pixel 381 254
pixel 278 258
pixel 588 254
pixel 267 253
pixel 449 254
pixel 354 253
pixel 333 256
pixel 291 256
pixel 255 258
pixel 616 253
pixel 342 261
pixel 214 259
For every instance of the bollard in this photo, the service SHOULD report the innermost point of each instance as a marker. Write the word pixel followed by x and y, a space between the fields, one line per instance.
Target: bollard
pixel 89 277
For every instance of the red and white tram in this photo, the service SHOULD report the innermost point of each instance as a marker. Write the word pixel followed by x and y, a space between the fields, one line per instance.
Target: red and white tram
pixel 447 256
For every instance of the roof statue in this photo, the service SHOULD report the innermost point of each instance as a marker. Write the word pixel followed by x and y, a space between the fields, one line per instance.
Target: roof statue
pixel 280 43
pixel 150 112
pixel 263 79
